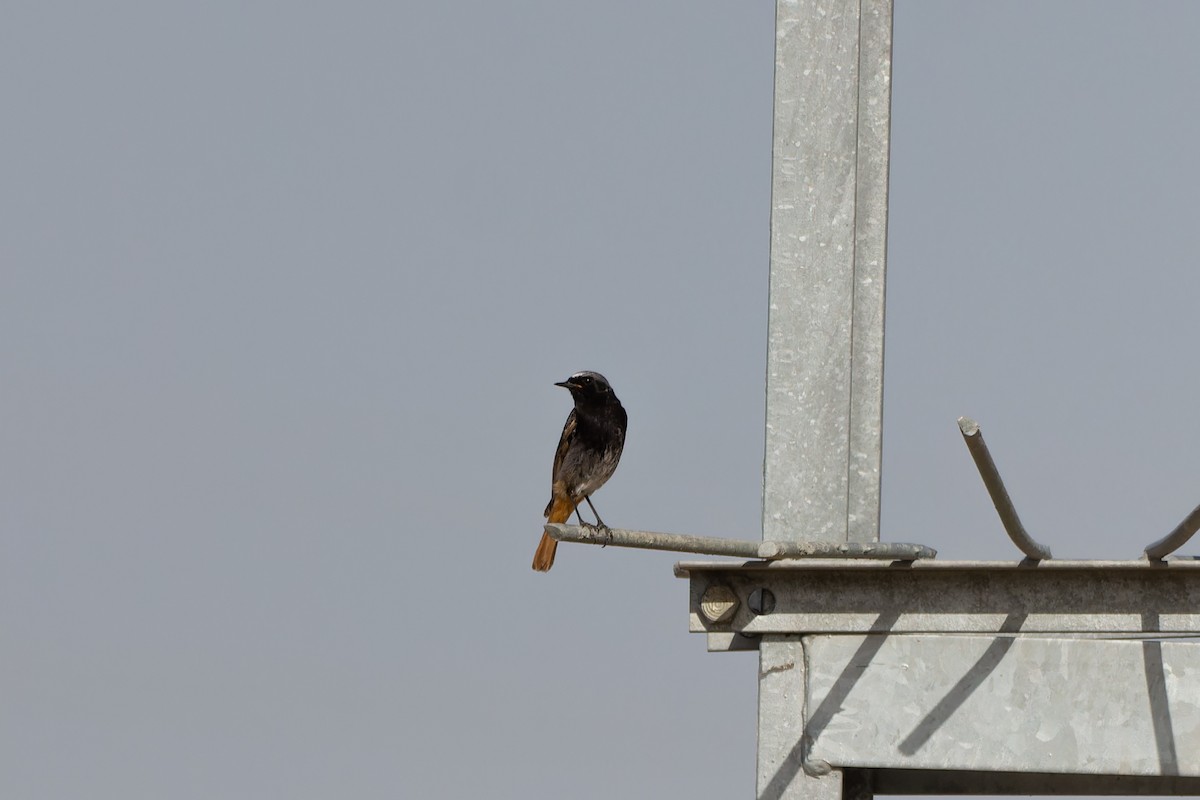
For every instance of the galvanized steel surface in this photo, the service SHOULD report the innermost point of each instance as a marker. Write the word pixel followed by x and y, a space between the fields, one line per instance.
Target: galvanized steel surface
pixel 978 448
pixel 986 703
pixel 742 548
pixel 828 244
pixel 841 596
pixel 825 319
pixel 870 268
pixel 1176 538
pixel 781 763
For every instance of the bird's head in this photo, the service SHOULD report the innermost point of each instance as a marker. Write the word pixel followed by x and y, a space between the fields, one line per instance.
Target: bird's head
pixel 589 388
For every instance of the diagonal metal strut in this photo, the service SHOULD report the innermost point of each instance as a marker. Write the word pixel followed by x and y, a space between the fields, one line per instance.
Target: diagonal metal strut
pixel 973 437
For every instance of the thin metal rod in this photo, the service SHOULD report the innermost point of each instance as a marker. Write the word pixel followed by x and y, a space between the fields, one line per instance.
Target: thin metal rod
pixel 995 486
pixel 1176 538
pixel 738 548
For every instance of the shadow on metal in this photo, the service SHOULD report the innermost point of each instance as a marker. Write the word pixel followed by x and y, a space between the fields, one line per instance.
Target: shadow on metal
pixel 1160 708
pixel 966 685
pixel 973 437
pixel 782 779
pixel 832 703
pixel 797 759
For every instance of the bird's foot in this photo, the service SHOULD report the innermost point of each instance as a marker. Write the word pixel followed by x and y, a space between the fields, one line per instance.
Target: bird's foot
pixel 597 530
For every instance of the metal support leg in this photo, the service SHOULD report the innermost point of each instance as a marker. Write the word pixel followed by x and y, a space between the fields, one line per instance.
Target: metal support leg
pixel 782 771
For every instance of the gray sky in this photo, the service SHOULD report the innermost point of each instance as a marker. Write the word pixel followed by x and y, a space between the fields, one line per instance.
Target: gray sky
pixel 284 290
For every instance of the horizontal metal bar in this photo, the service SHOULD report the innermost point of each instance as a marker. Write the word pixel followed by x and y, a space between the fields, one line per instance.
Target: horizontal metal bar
pixel 973 437
pixel 951 597
pixel 729 642
pixel 738 548
pixel 1176 538
pixel 1175 565
pixel 924 782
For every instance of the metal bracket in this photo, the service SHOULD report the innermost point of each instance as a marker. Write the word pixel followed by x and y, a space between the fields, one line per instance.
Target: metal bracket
pixel 1176 538
pixel 973 437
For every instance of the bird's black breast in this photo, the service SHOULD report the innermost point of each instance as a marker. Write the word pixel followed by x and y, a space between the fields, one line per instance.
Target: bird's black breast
pixel 591 456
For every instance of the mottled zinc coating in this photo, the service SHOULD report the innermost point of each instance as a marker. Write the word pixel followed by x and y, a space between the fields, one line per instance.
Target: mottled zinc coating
pixel 978 448
pixel 739 548
pixel 1082 706
pixel 861 596
pixel 825 322
pixel 1177 538
pixel 828 258
pixel 944 668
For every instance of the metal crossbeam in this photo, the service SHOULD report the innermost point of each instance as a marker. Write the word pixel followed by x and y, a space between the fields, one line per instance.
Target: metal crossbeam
pixel 1058 596
pixel 911 781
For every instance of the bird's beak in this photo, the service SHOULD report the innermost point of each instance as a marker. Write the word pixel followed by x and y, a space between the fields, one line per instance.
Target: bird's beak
pixel 565 384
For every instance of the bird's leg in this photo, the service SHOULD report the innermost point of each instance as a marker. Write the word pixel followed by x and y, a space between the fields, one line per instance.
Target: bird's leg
pixel 585 525
pixel 599 522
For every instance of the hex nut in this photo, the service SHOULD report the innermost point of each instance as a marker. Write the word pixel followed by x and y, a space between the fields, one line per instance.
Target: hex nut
pixel 718 603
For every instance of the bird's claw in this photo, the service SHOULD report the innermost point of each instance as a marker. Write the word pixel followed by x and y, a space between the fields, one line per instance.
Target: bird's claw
pixel 596 529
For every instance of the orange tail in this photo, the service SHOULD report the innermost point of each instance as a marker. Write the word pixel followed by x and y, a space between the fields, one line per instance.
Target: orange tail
pixel 543 559
pixel 559 510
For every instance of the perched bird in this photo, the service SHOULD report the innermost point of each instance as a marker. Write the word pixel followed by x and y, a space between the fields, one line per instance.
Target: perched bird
pixel 587 455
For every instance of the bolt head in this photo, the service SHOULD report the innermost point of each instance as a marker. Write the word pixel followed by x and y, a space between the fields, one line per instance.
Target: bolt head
pixel 718 603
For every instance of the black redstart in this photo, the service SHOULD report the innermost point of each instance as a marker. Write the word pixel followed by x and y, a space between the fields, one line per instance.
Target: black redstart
pixel 587 455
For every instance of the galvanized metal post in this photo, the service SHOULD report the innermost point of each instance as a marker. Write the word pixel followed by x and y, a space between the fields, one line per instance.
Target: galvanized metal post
pixel 825 328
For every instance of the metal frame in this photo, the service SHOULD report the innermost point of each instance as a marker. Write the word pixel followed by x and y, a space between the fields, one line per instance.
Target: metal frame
pixel 1063 597
pixel 935 677
pixel 868 652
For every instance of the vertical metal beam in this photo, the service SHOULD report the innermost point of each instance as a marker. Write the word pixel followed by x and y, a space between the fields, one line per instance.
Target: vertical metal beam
pixel 828 246
pixel 825 324
pixel 870 266
pixel 782 768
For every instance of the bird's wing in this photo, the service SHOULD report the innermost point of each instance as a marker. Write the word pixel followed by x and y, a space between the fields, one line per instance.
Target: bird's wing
pixel 564 444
